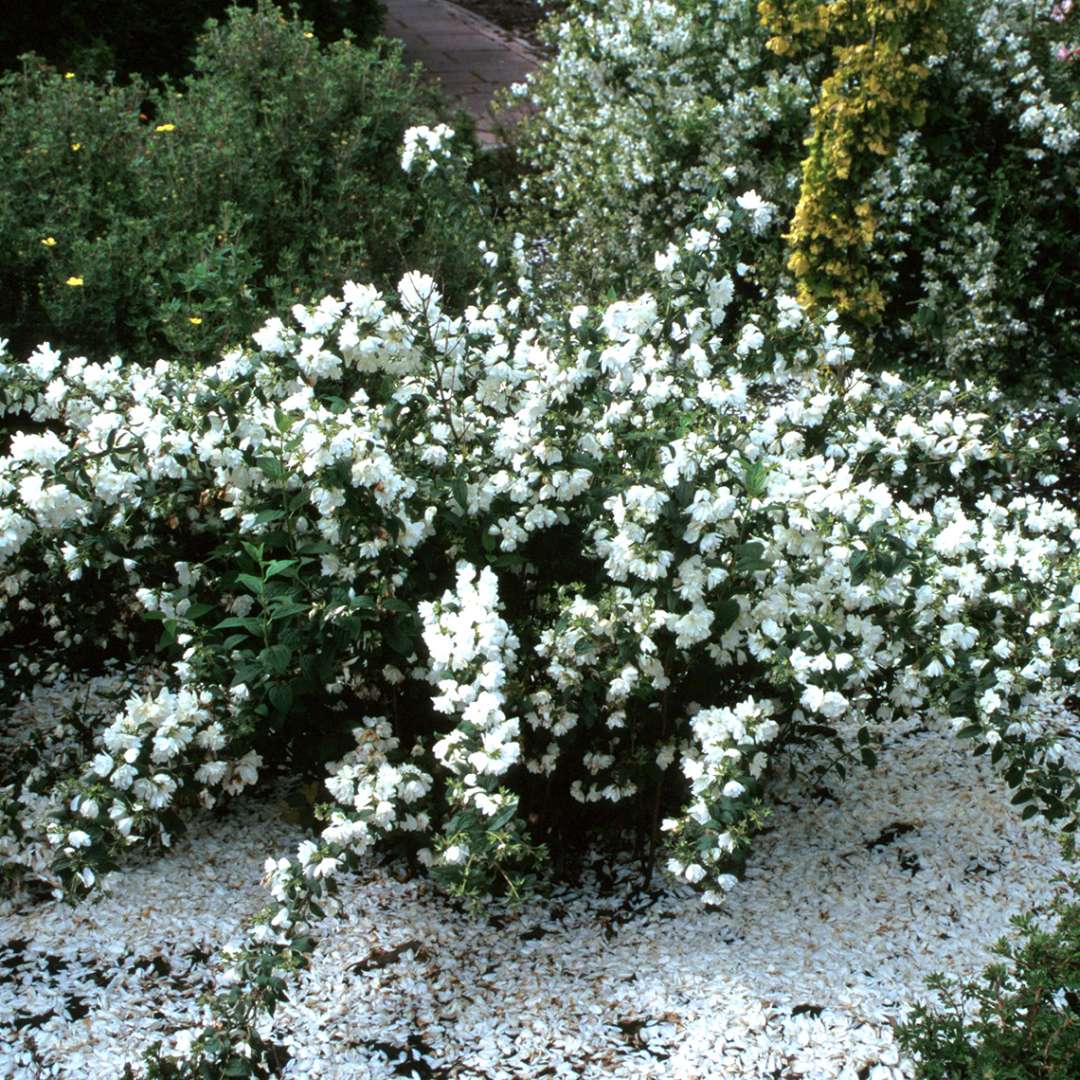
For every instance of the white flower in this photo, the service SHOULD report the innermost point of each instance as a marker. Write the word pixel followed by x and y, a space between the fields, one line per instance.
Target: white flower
pixel 761 211
pixel 418 293
pixel 102 764
pixel 43 362
pixel 455 855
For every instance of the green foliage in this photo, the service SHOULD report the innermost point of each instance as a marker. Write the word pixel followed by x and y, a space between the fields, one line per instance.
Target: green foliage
pixel 1019 1021
pixel 153 222
pixel 128 37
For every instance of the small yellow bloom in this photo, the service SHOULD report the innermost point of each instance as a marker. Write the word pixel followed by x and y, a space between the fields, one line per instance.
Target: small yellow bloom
pixel 69 74
pixel 76 146
pixel 165 127
pixel 49 241
pixel 194 320
pixel 74 281
pixel 308 34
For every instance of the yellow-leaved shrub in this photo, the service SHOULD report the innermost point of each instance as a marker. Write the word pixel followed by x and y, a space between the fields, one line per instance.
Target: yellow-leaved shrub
pixel 879 50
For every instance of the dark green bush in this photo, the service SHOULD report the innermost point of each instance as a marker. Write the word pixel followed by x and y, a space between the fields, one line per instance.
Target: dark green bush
pixel 1020 1021
pixel 146 221
pixel 94 37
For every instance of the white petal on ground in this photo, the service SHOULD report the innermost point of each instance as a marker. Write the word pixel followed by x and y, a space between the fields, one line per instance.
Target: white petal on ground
pixel 847 907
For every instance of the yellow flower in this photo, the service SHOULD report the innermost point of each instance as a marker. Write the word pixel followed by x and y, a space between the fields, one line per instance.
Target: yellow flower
pixel 69 74
pixel 76 146
pixel 74 281
pixel 165 127
pixel 308 34
pixel 194 320
pixel 49 241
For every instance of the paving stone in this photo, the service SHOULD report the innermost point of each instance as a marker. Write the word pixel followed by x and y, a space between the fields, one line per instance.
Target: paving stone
pixel 469 56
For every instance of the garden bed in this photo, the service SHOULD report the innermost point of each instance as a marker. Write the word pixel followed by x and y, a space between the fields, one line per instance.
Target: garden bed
pixel 853 897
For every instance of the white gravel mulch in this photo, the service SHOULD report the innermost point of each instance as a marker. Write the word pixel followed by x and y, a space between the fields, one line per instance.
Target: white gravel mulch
pixel 850 902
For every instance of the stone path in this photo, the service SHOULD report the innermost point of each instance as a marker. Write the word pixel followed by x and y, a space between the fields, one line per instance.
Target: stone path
pixel 471 57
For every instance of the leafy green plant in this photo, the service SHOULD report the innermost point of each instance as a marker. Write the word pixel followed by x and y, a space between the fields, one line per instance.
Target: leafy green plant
pixel 1019 1021
pixel 290 154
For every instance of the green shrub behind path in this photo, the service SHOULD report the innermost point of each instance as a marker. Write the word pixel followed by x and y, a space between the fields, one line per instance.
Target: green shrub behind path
pixel 156 221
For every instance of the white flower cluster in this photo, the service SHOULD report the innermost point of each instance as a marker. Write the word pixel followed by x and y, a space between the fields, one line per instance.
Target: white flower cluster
pixel 427 148
pixel 644 109
pixel 648 109
pixel 472 655
pixel 153 753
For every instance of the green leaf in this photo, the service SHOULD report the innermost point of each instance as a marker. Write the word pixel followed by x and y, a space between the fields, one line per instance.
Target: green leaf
pixel 254 551
pixel 503 817
pixel 748 557
pixel 250 581
pixel 869 758
pixel 859 567
pixel 754 478
pixel 315 547
pixel 264 517
pixel 271 467
pixel 822 730
pixel 281 697
pixel 460 492
pixel 398 638
pixel 286 608
pixel 726 614
pixel 280 566
pixel 252 625
pixel 276 658
pixel 248 674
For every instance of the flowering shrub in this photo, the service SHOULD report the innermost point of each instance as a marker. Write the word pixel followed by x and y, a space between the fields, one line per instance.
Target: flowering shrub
pixel 649 110
pixel 290 152
pixel 637 556
pixel 756 539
